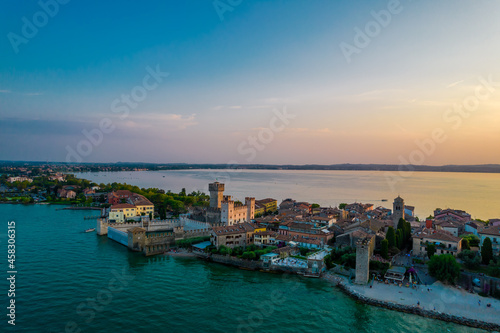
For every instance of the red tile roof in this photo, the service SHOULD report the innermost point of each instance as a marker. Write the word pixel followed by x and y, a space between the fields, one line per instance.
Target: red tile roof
pixel 119 206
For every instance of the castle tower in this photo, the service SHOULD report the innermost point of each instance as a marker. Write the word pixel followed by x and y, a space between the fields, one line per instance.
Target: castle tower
pixel 216 193
pixel 250 203
pixel 398 211
pixel 227 211
pixel 136 238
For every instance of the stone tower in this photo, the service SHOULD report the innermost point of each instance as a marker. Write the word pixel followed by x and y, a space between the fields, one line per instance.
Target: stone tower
pixel 250 203
pixel 398 211
pixel 216 193
pixel 227 211
pixel 136 238
pixel 364 251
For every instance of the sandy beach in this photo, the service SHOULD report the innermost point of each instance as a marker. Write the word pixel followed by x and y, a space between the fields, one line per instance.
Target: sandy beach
pixel 436 297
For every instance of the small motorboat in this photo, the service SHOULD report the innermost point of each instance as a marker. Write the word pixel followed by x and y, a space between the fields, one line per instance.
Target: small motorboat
pixel 384 199
pixel 90 230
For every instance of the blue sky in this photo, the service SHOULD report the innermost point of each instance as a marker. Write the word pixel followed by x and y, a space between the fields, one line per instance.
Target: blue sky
pixel 227 76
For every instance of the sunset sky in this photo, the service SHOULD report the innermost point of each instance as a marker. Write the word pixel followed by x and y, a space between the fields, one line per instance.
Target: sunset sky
pixel 231 67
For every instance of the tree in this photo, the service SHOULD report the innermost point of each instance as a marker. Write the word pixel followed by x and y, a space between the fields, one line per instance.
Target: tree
pixel 472 240
pixel 225 250
pixel 401 224
pixel 303 251
pixel 470 259
pixel 400 238
pixel 342 205
pixel 431 249
pixel 384 249
pixel 249 255
pixel 315 205
pixel 391 237
pixel 444 268
pixel 349 260
pixel 486 251
pixel 328 261
pixel 494 270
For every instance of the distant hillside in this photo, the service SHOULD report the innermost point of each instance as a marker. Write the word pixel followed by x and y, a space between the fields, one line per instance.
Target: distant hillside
pixel 95 167
pixel 486 168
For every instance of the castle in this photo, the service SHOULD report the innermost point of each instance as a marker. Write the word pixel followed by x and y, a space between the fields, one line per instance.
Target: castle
pixel 223 209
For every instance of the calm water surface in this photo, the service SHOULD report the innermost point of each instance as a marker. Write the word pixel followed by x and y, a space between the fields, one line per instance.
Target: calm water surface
pixel 66 276
pixel 478 194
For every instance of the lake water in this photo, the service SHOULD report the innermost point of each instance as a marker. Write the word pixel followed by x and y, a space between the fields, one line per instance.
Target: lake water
pixel 476 193
pixel 68 277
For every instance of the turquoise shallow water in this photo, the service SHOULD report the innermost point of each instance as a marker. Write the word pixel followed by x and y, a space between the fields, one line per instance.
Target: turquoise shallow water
pixel 67 277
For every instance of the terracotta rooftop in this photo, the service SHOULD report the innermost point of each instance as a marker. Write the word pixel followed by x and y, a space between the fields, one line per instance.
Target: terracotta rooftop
pixel 493 231
pixel 264 201
pixel 266 233
pixel 141 200
pixel 120 206
pixel 123 193
pixel 234 229
pixel 437 235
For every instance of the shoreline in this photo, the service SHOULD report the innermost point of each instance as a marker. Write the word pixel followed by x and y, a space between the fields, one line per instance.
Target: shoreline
pixel 349 290
pixel 344 286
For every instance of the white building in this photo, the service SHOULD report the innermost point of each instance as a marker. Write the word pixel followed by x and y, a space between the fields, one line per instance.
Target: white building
pixel 493 233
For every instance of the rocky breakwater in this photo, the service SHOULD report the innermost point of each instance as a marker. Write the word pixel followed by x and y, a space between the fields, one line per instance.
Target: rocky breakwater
pixel 341 283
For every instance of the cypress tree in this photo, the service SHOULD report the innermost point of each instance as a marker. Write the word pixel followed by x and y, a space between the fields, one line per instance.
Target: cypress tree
pixel 384 249
pixel 486 251
pixel 391 237
pixel 399 237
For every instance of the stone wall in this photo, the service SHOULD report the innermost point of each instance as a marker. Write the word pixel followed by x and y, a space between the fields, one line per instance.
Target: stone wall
pixel 196 233
pixel 487 285
pixel 233 261
pixel 118 236
pixel 102 226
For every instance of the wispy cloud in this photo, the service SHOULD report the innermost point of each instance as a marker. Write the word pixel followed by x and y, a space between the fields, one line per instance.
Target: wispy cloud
pixel 253 107
pixel 165 121
pixel 454 84
pixel 276 100
pixel 227 107
pixel 371 95
pixel 301 130
pixel 8 91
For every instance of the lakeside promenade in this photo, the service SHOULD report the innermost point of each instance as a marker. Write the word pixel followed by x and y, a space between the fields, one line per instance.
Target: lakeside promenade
pixel 440 301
